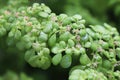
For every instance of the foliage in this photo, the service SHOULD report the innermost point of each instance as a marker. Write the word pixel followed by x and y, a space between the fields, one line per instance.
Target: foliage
pixel 46 40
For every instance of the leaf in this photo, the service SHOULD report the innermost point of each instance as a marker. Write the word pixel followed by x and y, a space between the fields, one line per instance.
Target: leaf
pixel 84 59
pixel 52 40
pixel 66 61
pixel 56 59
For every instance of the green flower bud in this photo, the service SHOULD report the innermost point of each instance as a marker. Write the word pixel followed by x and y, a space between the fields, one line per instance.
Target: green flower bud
pixel 56 59
pixel 66 61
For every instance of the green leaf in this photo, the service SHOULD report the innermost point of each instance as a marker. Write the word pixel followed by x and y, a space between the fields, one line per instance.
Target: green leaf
pixel 43 37
pixel 47 27
pixel 56 59
pixel 71 43
pixel 66 61
pixel 107 64
pixel 65 36
pixel 62 44
pixel 69 51
pixel 17 34
pixel 43 14
pixel 52 40
pixel 84 59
